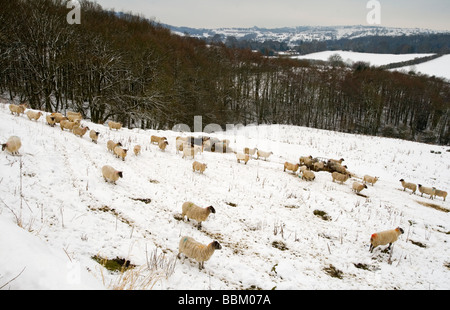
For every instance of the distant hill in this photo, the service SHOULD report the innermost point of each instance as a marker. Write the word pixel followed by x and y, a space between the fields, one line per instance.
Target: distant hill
pixel 308 39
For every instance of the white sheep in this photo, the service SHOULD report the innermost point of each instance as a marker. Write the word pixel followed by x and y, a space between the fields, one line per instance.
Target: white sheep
pixel 244 157
pixel 407 185
pixel 32 115
pixel 250 152
pixel 194 212
pixel 440 193
pixel 66 124
pixel 50 120
pixel 358 187
pixel 111 145
pixel 303 169
pixel 120 152
pixel 163 144
pixel 12 145
pixel 263 154
pixel 80 131
pixel 196 250
pixel 58 117
pixel 308 175
pixel 114 125
pixel 385 237
pixel 188 151
pixel 427 190
pixel 110 174
pixel 291 167
pixel 94 135
pixel 137 150
pixel 370 179
pixel 157 140
pixel 196 166
pixel 18 109
pixel 305 160
pixel 340 177
pixel 74 116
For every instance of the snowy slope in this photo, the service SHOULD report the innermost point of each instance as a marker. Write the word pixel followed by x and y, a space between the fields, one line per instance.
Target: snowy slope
pixel 265 218
pixel 439 67
pixel 372 58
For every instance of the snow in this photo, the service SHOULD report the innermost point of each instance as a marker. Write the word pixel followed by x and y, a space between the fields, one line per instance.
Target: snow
pixel 372 58
pixel 264 217
pixel 439 67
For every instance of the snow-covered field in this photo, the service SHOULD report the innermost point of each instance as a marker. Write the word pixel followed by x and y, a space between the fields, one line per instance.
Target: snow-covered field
pixel 264 217
pixel 372 58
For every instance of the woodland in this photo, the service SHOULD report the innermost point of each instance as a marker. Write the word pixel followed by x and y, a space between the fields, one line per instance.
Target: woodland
pixel 126 68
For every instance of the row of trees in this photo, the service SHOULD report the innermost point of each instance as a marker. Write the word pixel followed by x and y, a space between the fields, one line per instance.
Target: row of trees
pixel 126 68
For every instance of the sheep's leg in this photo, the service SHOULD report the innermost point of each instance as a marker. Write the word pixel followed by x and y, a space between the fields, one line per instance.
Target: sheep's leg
pixel 371 248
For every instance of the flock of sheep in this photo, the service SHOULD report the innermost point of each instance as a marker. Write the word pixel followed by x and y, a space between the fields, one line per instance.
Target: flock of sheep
pixel 190 146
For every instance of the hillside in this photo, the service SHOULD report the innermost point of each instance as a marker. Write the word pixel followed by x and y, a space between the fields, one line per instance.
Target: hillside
pixel 266 219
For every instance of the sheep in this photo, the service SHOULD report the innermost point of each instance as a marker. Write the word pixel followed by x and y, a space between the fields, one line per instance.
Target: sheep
pixel 250 152
pixel 319 166
pixel 385 237
pixel 32 115
pixel 305 159
pixel 427 190
pixel 163 144
pixel 12 145
pixel 157 140
pixel 73 116
pixel 336 167
pixel 111 145
pixel 110 174
pixel 66 124
pixel 303 169
pixel 80 131
pixel 114 125
pixel 194 249
pixel 18 109
pixel 260 153
pixel 137 150
pixel 340 177
pixel 50 120
pixel 120 152
pixel 196 166
pixel 440 193
pixel 192 211
pixel 94 135
pixel 358 187
pixel 370 179
pixel 410 186
pixel 58 117
pixel 244 157
pixel 188 151
pixel 336 161
pixel 291 167
pixel 308 176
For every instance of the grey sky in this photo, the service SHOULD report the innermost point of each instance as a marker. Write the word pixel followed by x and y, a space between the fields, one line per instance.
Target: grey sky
pixel 431 14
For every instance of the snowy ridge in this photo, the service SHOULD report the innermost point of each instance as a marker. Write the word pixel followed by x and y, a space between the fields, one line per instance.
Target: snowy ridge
pixel 265 218
pixel 293 35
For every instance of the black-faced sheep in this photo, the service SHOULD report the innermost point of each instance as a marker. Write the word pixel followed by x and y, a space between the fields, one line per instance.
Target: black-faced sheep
pixel 407 185
pixel 427 190
pixel 12 145
pixel 196 250
pixel 385 237
pixel 194 212
pixel 110 174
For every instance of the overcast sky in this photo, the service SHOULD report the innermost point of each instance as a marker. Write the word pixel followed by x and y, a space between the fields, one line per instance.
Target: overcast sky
pixel 431 14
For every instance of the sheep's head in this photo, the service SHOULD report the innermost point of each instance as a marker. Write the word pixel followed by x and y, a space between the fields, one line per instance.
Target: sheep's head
pixel 211 209
pixel 400 230
pixel 120 174
pixel 4 146
pixel 216 245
